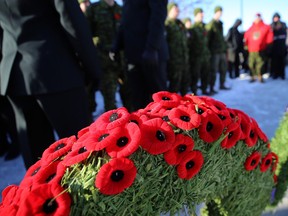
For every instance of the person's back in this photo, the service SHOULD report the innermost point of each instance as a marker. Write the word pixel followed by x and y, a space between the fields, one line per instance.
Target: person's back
pixel 44 43
pixel 142 37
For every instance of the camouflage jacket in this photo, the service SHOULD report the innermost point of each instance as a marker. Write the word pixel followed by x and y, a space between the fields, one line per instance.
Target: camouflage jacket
pixel 216 41
pixel 104 21
pixel 198 41
pixel 177 40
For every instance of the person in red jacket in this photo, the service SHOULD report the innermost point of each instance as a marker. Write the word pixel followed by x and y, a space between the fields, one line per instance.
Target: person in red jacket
pixel 258 39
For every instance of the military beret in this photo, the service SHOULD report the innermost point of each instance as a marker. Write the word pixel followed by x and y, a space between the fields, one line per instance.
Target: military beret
pixel 171 5
pixel 218 8
pixel 186 20
pixel 197 10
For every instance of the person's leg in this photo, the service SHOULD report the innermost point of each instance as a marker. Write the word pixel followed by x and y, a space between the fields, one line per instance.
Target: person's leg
pixel 34 129
pixel 67 111
pixel 213 70
pixel 195 66
pixel 236 65
pixel 222 70
pixel 204 74
pixel 251 64
pixel 260 63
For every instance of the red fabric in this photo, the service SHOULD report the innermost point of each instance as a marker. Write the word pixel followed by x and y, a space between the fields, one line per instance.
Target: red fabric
pixel 258 36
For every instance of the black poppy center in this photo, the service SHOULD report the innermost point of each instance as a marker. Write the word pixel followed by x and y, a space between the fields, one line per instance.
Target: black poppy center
pixel 50 206
pixel 59 147
pixel 230 135
pixel 253 162
pixel 82 150
pixel 182 148
pixel 190 165
pixel 267 162
pixel 160 135
pixel 113 117
pixel 134 121
pixel 50 177
pixel 222 117
pixel 117 175
pixel 252 134
pixel 122 141
pixel 35 171
pixel 102 137
pixel 200 111
pixel 165 98
pixel 209 126
pixel 165 118
pixel 185 118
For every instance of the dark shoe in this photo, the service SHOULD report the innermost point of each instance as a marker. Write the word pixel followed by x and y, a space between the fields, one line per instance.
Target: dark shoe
pixel 212 92
pixel 12 153
pixel 3 149
pixel 205 93
pixel 224 88
pixel 252 80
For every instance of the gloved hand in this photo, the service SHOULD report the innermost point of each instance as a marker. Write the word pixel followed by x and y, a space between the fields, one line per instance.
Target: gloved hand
pixel 150 57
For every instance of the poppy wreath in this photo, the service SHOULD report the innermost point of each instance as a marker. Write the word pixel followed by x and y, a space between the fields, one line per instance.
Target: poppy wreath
pixel 177 151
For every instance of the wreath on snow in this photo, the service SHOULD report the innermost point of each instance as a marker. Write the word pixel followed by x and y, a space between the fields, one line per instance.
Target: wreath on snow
pixel 177 151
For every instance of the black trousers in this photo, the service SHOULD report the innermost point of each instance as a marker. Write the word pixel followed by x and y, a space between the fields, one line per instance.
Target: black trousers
pixel 278 66
pixel 145 80
pixel 7 124
pixel 39 117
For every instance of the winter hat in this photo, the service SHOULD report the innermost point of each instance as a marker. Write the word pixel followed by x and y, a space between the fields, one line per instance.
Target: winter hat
pixel 186 20
pixel 197 10
pixel 276 15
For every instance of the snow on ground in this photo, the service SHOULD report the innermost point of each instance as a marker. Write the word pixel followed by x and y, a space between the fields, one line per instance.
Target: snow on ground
pixel 266 102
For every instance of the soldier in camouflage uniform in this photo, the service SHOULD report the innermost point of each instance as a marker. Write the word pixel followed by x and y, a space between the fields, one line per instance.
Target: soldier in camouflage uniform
pixel 199 53
pixel 178 51
pixel 217 47
pixel 104 18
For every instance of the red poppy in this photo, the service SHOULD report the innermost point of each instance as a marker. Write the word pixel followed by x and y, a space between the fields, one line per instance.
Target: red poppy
pixel 153 107
pixel 211 127
pixel 190 165
pixel 111 119
pixel 58 149
pixel 98 140
pixel 252 161
pixel 30 174
pixel 11 195
pixel 77 155
pixel 51 174
pixel 260 133
pixel 225 117
pixel 117 16
pixel 252 139
pixel 275 161
pixel 233 133
pixel 184 118
pixel 213 104
pixel 200 109
pixel 266 162
pixel 275 178
pixel 245 123
pixel 82 132
pixel 45 199
pixel 115 176
pixel 190 99
pixel 127 142
pixel 10 210
pixel 166 99
pixel 182 145
pixel 159 136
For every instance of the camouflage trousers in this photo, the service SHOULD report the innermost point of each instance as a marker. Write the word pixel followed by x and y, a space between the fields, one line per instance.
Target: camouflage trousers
pixel 256 61
pixel 178 76
pixel 109 81
pixel 199 69
pixel 218 63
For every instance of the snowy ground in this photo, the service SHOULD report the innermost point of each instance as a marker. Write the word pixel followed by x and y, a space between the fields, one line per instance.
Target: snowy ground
pixel 266 102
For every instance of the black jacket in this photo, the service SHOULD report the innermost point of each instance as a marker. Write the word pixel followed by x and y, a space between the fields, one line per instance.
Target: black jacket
pixel 143 27
pixel 43 43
